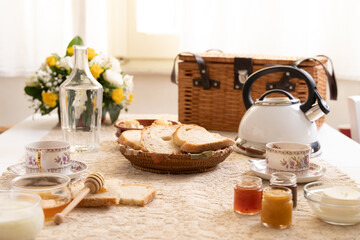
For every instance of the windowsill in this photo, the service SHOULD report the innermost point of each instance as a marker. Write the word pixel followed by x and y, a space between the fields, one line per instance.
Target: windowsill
pixel 147 66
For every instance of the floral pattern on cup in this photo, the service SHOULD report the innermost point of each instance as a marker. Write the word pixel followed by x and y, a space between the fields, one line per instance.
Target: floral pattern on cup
pixel 64 160
pixel 299 162
pixel 31 161
pixel 54 156
pixel 288 156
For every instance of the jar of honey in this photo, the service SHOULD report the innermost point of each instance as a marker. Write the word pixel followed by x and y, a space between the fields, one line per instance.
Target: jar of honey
pixel 277 205
pixel 53 189
pixel 248 195
pixel 285 179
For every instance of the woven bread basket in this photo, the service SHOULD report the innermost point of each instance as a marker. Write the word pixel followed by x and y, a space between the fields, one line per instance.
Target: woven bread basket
pixel 175 163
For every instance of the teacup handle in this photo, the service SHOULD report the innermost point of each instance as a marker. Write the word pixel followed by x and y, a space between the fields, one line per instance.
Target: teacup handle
pixel 38 161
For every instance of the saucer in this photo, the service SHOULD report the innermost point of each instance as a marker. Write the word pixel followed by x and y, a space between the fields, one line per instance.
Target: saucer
pixel 75 171
pixel 315 171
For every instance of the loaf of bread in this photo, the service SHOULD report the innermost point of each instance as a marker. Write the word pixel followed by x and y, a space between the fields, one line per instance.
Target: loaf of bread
pixel 131 138
pixel 159 139
pixel 195 139
pixel 114 193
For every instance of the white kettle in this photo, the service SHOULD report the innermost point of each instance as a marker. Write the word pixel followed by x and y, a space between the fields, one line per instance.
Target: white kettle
pixel 280 118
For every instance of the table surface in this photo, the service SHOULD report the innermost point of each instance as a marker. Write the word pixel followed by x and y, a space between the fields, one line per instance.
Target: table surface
pixel 195 206
pixel 337 149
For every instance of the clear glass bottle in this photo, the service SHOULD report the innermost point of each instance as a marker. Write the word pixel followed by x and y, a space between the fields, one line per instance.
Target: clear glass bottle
pixel 80 105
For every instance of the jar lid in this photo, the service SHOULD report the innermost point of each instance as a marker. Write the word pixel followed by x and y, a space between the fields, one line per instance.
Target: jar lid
pixel 283 178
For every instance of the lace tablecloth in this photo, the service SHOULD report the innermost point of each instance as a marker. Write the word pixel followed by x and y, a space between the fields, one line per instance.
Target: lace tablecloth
pixel 194 206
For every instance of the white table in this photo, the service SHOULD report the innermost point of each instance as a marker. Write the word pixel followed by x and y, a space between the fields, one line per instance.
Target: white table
pixel 337 149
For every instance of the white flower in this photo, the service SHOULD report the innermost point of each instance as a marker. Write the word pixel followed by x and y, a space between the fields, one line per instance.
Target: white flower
pixel 45 76
pixel 114 64
pixel 113 77
pixel 128 79
pixel 67 62
pixel 31 81
pixel 79 103
pixel 100 60
pixel 44 67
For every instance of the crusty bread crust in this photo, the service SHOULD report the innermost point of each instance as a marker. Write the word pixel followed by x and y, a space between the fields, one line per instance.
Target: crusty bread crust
pixel 131 138
pixel 195 139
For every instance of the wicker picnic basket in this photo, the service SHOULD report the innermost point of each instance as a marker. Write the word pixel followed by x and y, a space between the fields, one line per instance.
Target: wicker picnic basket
pixel 183 163
pixel 210 85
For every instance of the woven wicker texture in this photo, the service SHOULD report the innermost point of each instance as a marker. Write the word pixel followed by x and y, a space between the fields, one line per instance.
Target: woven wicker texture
pixel 222 109
pixel 175 163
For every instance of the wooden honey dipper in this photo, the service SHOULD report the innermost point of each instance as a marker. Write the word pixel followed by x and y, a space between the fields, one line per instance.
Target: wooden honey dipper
pixel 93 183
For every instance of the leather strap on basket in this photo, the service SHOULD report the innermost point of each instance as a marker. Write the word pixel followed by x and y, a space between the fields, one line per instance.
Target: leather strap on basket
pixel 243 68
pixel 205 82
pixel 331 77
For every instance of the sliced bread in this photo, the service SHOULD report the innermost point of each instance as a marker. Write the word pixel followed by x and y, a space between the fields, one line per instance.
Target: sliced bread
pixel 131 138
pixel 137 194
pixel 162 122
pixel 108 195
pixel 196 139
pixel 159 139
pixel 115 193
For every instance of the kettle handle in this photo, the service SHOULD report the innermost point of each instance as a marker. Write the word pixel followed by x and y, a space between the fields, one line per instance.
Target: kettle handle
pixel 291 97
pixel 294 73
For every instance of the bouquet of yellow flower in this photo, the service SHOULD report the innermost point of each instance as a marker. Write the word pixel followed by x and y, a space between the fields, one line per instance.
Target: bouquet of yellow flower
pixel 43 85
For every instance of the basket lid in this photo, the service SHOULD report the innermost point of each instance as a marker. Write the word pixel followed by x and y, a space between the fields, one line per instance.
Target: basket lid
pixel 217 57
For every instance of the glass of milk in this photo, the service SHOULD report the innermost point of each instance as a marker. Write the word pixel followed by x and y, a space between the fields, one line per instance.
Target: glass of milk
pixel 21 215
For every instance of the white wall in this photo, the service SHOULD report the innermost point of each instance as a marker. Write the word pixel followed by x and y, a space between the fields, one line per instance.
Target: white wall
pixel 13 101
pixel 339 111
pixel 153 93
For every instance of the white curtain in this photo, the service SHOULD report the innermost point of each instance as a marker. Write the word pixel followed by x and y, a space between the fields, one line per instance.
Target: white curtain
pixel 33 29
pixel 276 27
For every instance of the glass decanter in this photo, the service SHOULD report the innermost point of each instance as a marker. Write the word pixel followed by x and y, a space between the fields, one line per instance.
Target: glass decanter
pixel 81 105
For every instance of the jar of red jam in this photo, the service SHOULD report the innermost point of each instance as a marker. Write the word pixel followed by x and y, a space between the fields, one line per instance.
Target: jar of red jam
pixel 276 211
pixel 285 179
pixel 248 195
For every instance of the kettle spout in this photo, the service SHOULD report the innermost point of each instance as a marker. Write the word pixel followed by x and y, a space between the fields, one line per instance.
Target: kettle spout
pixel 317 111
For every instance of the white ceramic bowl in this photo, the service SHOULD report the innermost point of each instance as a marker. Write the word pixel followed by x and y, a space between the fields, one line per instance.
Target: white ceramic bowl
pixel 334 203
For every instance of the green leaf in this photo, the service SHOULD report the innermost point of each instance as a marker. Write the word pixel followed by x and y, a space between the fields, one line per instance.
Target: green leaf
pixel 104 110
pixel 75 41
pixel 56 56
pixel 114 111
pixel 33 92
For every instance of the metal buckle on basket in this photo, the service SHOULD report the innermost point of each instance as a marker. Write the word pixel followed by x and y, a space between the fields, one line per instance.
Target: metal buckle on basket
pixel 243 75
pixel 213 83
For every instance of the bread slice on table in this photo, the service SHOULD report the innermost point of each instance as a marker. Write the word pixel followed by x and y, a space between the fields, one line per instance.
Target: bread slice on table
pixel 159 139
pixel 131 138
pixel 115 193
pixel 137 194
pixel 195 139
pixel 109 195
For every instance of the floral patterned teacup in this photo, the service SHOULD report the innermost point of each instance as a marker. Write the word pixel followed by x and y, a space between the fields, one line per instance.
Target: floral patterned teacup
pixel 288 157
pixel 47 156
